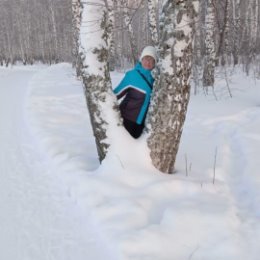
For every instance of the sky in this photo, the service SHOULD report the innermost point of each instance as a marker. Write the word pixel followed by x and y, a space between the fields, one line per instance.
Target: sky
pixel 58 202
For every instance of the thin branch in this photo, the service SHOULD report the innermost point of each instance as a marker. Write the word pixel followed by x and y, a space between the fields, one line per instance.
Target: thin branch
pixel 214 168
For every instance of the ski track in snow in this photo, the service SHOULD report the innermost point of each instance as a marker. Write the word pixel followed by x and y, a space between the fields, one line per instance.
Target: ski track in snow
pixel 38 219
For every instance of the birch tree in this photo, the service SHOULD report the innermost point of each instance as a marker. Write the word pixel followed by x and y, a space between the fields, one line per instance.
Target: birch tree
pixel 254 25
pixel 53 28
pixel 237 33
pixel 95 39
pixel 224 37
pixel 76 22
pixel 210 53
pixel 129 28
pixel 172 88
pixel 112 44
pixel 153 21
pixel 246 44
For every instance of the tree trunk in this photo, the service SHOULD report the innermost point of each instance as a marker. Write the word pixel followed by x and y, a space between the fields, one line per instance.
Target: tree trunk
pixel 112 45
pixel 94 48
pixel 254 26
pixel 172 88
pixel 76 21
pixel 54 30
pixel 237 32
pixel 224 44
pixel 153 22
pixel 129 28
pixel 210 55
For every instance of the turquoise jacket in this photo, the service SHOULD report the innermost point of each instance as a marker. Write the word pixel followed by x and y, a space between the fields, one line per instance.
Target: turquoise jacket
pixel 136 88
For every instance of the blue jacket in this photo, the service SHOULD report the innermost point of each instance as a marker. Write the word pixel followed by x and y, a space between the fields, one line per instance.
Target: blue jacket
pixel 136 87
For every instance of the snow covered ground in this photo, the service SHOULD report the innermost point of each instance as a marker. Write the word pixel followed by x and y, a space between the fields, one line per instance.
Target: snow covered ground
pixel 58 203
pixel 38 218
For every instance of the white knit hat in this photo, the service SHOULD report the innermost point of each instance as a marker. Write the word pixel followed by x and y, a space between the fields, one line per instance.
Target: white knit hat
pixel 149 51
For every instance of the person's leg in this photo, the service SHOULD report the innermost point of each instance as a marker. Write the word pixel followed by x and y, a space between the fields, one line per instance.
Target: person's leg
pixel 134 129
pixel 138 129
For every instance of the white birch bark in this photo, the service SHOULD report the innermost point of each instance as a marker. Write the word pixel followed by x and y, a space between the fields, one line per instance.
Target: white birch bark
pixel 153 21
pixel 227 24
pixel 54 30
pixel 247 39
pixel 129 28
pixel 197 40
pixel 111 44
pixel 224 38
pixel 210 49
pixel 94 39
pixel 254 25
pixel 172 88
pixel 76 22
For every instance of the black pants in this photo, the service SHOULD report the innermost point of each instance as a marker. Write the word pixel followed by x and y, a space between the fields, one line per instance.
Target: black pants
pixel 133 128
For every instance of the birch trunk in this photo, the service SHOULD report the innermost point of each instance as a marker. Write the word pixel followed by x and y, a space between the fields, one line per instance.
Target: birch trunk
pixel 129 28
pixel 254 26
pixel 54 30
pixel 210 53
pixel 172 88
pixel 111 44
pixel 153 21
pixel 237 33
pixel 94 40
pixel 76 22
pixel 223 48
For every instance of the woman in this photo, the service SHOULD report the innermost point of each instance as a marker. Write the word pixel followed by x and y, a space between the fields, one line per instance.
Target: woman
pixel 136 88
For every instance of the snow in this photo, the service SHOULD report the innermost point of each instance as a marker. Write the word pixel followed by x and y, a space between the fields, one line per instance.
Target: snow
pixel 58 203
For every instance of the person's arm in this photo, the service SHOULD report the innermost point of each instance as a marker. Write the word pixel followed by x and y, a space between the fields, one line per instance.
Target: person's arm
pixel 123 87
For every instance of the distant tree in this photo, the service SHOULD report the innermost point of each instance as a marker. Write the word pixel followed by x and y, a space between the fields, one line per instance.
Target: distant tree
pixel 254 16
pixel 153 21
pixel 129 29
pixel 237 32
pixel 225 36
pixel 210 49
pixel 76 22
pixel 35 30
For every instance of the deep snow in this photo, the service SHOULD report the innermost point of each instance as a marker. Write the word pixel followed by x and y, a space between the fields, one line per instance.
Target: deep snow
pixel 38 218
pixel 58 203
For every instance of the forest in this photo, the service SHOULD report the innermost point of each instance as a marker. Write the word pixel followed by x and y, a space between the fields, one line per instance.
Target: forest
pixel 193 39
pixel 35 30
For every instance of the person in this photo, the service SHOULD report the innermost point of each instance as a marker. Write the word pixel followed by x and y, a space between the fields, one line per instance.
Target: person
pixel 135 89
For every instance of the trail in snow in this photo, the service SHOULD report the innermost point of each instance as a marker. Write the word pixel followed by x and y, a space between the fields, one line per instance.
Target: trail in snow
pixel 243 178
pixel 38 219
pixel 239 169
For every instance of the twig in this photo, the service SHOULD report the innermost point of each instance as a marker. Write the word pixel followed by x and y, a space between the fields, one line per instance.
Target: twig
pixel 214 168
pixel 191 255
pixel 120 161
pixel 214 94
pixel 186 164
pixel 226 78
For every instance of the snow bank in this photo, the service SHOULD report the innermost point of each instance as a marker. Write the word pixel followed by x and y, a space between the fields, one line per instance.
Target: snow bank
pixel 144 214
